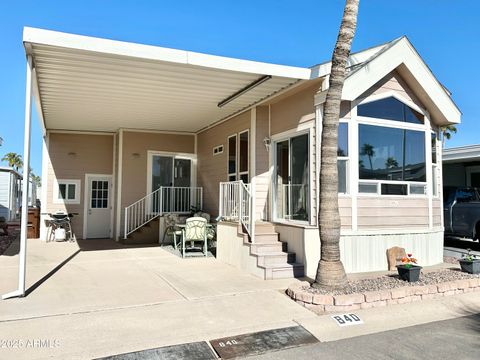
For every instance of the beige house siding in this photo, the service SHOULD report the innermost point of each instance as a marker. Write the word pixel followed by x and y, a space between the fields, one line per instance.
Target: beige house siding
pixel 213 169
pixel 262 168
pixel 135 159
pixel 345 209
pixel 437 212
pixel 71 156
pixel 392 213
pixel 289 112
pixel 393 82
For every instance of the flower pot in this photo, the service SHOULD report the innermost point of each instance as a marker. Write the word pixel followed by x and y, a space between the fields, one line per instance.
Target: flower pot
pixel 409 273
pixel 470 266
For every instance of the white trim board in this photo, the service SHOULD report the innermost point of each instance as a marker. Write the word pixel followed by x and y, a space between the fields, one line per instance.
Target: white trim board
pixel 149 52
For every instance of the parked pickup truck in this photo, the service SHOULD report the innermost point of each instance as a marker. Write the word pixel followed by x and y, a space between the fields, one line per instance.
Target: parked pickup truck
pixel 461 206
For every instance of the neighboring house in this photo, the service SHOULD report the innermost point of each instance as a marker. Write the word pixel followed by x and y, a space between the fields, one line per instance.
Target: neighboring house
pixel 10 193
pixel 461 166
pixel 134 131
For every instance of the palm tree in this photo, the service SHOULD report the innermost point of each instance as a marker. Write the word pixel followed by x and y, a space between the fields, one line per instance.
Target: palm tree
pixel 37 180
pixel 14 160
pixel 368 150
pixel 391 163
pixel 447 132
pixel 330 272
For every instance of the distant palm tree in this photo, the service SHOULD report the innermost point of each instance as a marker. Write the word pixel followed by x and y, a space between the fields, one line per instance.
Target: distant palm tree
pixel 37 180
pixel 368 150
pixel 391 163
pixel 447 132
pixel 14 160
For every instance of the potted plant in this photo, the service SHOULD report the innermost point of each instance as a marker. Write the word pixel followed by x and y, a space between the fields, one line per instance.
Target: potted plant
pixel 470 263
pixel 408 270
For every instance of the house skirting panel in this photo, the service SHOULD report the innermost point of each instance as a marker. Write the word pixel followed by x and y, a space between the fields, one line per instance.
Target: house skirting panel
pixel 363 252
pixel 232 250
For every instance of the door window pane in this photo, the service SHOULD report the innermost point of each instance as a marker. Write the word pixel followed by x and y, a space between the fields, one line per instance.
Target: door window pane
pixel 232 154
pixel 281 175
pixel 162 167
pixel 243 154
pixel 99 194
pixel 182 175
pixel 434 148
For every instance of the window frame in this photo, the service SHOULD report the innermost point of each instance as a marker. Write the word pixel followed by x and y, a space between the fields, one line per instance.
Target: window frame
pixel 56 191
pixel 346 158
pixel 425 128
pixel 284 136
pixel 238 174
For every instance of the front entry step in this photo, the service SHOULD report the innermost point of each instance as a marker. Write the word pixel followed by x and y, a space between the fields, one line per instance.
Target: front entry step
pixel 272 255
pixel 147 234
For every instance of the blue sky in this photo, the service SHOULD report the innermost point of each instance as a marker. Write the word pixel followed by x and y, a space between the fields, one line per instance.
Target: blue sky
pixel 301 33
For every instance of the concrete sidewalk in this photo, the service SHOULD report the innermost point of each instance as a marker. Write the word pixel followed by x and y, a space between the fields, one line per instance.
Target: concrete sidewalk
pixel 125 299
pixel 121 300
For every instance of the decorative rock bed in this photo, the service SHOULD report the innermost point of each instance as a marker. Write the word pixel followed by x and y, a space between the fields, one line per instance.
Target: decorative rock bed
pixel 383 291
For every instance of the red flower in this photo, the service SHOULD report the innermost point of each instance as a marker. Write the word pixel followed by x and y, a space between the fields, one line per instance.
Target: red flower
pixel 409 255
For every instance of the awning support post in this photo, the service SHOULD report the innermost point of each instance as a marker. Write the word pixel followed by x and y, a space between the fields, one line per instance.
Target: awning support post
pixel 22 267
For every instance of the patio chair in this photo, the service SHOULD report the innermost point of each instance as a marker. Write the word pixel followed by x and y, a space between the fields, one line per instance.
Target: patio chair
pixel 171 229
pixel 195 230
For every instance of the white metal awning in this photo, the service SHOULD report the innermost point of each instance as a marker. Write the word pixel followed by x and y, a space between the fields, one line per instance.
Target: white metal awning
pixel 92 84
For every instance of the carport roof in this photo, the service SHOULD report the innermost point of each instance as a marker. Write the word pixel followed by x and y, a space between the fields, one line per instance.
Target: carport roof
pixel 91 84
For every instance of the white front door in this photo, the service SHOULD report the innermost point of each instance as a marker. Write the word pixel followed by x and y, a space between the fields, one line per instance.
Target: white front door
pixel 98 206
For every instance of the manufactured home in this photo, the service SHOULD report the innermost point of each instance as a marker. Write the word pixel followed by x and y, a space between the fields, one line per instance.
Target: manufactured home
pixel 134 132
pixel 10 193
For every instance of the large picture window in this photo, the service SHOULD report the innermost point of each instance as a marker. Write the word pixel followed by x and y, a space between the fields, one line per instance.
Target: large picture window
pixel 391 154
pixel 394 157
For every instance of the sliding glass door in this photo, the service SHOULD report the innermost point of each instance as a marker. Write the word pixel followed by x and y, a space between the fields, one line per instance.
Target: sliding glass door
pixel 174 173
pixel 292 188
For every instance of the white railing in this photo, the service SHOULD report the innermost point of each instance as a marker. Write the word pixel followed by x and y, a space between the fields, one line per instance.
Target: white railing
pixel 236 204
pixel 166 199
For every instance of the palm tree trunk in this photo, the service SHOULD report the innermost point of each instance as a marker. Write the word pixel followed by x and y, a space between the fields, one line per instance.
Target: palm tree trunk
pixel 330 272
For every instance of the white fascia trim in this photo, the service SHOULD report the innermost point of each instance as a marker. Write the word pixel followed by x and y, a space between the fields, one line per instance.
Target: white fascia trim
pixel 401 53
pixel 121 48
pixel 38 104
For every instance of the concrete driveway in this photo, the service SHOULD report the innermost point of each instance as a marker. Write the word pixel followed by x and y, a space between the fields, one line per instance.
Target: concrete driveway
pixel 107 299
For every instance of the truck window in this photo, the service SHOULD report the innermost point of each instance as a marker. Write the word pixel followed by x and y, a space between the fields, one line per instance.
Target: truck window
pixel 466 195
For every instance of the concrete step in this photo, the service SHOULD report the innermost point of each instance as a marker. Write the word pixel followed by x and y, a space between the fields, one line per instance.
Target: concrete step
pixel 276 258
pixel 147 234
pixel 266 238
pixel 267 248
pixel 283 271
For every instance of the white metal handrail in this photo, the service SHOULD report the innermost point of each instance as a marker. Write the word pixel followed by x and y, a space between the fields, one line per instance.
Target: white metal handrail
pixel 236 204
pixel 166 199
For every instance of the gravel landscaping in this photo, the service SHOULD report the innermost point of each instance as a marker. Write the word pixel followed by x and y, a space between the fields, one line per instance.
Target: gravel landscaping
pixel 393 281
pixel 6 241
